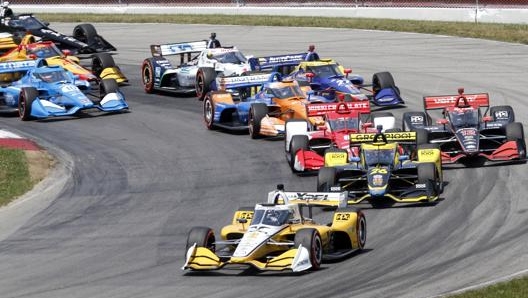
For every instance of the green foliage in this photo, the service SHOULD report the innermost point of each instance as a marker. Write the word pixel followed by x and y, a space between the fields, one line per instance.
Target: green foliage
pixel 517 288
pixel 14 175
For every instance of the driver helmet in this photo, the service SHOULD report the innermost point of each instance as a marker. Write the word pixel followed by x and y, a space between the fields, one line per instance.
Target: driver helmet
pixel 47 77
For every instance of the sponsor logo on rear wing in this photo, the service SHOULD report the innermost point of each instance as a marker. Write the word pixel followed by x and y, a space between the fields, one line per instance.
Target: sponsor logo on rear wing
pixel 242 81
pixel 338 199
pixel 260 63
pixel 14 66
pixel 178 48
pixel 444 101
pixel 318 109
pixel 404 136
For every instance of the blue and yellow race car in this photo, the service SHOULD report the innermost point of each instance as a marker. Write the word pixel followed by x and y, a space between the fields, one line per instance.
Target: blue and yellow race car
pixel 36 90
pixel 384 168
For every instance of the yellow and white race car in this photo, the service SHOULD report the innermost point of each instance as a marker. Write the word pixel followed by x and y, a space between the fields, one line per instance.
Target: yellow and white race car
pixel 280 235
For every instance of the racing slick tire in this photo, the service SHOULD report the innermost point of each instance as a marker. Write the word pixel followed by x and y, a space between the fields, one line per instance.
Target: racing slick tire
pixel 204 77
pixel 382 80
pixel 27 97
pixel 515 132
pixel 428 175
pixel 208 111
pixel 326 178
pixel 294 127
pixel 311 240
pixel 147 76
pixel 297 143
pixel 202 236
pixel 422 136
pixel 85 33
pixel 108 86
pixel 413 120
pixel 100 61
pixel 257 112
pixel 503 114
pixel 440 175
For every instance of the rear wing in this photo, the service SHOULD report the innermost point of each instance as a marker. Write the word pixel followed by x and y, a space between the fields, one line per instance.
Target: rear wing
pixel 400 137
pixel 17 66
pixel 443 101
pixel 319 109
pixel 275 62
pixel 250 80
pixel 159 50
pixel 330 199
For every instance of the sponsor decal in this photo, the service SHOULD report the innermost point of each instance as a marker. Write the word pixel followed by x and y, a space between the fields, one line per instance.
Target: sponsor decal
pixel 502 115
pixel 421 185
pixel 377 180
pixel 282 59
pixel 410 135
pixel 342 216
pixel 417 119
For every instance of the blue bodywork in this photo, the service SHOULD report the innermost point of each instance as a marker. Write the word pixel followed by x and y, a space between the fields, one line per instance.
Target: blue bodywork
pixel 57 91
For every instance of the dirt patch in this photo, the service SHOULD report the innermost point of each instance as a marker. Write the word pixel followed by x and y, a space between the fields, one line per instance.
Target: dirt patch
pixel 40 162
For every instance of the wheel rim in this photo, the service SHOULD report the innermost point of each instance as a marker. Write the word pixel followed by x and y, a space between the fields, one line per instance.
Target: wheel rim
pixel 362 231
pixel 22 107
pixel 208 112
pixel 146 76
pixel 199 85
pixel 317 250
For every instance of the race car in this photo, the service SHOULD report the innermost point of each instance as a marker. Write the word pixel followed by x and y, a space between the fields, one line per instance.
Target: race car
pixel 102 64
pixel 329 79
pixel 467 130
pixel 305 148
pixel 39 91
pixel 236 97
pixel 84 40
pixel 196 69
pixel 281 234
pixel 385 168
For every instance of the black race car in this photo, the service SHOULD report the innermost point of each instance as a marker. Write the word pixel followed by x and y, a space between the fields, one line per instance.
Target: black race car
pixel 84 39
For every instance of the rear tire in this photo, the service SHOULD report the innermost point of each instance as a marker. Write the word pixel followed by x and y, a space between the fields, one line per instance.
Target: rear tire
pixel 427 174
pixel 326 178
pixel 204 77
pixel 147 75
pixel 311 240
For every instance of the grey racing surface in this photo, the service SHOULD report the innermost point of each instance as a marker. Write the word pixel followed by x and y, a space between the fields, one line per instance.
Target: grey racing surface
pixel 116 224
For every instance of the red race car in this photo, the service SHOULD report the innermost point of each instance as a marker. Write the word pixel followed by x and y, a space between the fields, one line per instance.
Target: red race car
pixel 305 146
pixel 467 129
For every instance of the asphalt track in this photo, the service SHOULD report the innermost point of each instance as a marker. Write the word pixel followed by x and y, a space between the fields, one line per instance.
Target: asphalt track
pixel 112 220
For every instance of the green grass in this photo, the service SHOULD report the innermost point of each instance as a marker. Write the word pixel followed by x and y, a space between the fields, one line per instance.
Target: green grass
pixel 501 32
pixel 13 167
pixel 14 175
pixel 517 288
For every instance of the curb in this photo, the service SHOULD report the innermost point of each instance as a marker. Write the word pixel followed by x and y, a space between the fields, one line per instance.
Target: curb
pixel 14 141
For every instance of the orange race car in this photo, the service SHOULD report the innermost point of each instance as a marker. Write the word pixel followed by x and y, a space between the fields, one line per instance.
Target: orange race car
pixel 102 67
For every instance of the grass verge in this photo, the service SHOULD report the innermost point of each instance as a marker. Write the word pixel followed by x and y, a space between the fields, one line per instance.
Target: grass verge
pixel 514 33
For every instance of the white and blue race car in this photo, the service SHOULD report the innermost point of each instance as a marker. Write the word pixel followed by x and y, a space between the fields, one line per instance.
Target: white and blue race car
pixel 39 91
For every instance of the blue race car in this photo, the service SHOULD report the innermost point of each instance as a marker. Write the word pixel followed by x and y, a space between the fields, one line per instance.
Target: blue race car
pixel 40 91
pixel 329 79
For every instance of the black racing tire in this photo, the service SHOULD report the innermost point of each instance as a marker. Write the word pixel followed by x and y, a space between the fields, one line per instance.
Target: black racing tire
pixel 202 236
pixel 297 143
pixel 100 61
pixel 26 99
pixel 326 178
pixel 256 113
pixel 422 136
pixel 85 33
pixel 204 77
pixel 514 131
pixel 208 111
pixel 411 119
pixel 310 239
pixel 361 230
pixel 502 114
pixel 382 80
pixel 147 76
pixel 427 174
pixel 108 86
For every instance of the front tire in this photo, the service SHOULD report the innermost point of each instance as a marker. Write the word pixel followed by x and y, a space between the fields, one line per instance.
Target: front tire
pixel 25 101
pixel 208 111
pixel 326 178
pixel 100 61
pixel 311 240
pixel 257 112
pixel 382 80
pixel 203 237
pixel 297 143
